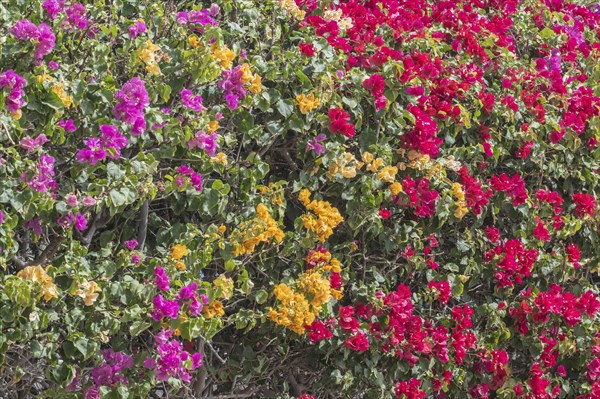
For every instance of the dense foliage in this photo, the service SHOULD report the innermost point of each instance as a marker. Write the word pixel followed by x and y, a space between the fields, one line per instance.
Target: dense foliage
pixel 299 199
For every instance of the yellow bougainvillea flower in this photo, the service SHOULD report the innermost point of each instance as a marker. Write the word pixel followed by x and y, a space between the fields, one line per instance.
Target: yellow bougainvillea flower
pixel 59 89
pixel 388 173
pixel 256 86
pixel 39 275
pixel 246 73
pixel 151 55
pixel 179 251
pixel 220 158
pixel 327 217
pixel 88 290
pixel 215 309
pixel 263 228
pixel 212 126
pixel 307 103
pixel 224 55
pixel 194 42
pixel 396 188
pixel 292 8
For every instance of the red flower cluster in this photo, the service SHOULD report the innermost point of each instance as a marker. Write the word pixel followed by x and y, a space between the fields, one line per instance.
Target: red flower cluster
pixel 420 197
pixel 474 195
pixel 513 186
pixel 376 86
pixel 515 265
pixel 585 204
pixel 422 137
pixel 339 122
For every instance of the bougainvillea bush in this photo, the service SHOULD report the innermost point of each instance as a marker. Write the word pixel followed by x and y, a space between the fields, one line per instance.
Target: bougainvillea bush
pixel 299 199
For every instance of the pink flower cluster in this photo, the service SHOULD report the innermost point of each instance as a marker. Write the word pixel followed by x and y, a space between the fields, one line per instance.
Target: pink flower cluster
pixel 195 178
pixel 206 142
pixel 109 145
pixel 420 198
pixel 339 122
pixel 109 373
pixel 14 83
pixel 190 101
pixel 513 186
pixel 132 100
pixel 172 360
pixel 232 86
pixel 42 179
pixel 25 30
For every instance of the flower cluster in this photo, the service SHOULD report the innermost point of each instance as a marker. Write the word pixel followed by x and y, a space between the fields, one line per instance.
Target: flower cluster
pixel 339 122
pixel 42 179
pixel 233 86
pixel 327 217
pixel 88 291
pixel 98 149
pixel 39 275
pixel 298 307
pixel 171 359
pixel 262 228
pixel 25 30
pixel 109 373
pixel 131 101
pixel 195 178
pixel 513 186
pixel 151 55
pixel 206 142
pixel 190 101
pixel 307 103
pixel 14 83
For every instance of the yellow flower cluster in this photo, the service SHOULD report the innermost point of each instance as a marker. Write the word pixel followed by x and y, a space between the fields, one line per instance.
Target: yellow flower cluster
pixel 262 228
pixel 57 88
pixel 194 42
pixel 88 290
pixel 39 275
pixel 396 188
pixel 225 284
pixel 292 8
pixel 346 165
pixel 315 288
pixel 215 309
pixel 299 307
pixel 461 205
pixel 307 103
pixel 212 126
pixel 387 173
pixel 220 158
pixel 249 77
pixel 151 55
pixel 179 251
pixel 294 310
pixel 224 55
pixel 327 217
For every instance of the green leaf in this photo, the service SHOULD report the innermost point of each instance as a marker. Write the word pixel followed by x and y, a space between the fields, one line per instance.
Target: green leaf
pixel 285 107
pixel 244 121
pixel 261 296
pixel 138 327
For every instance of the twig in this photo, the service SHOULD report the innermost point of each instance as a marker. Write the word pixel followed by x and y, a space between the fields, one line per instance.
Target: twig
pixel 143 224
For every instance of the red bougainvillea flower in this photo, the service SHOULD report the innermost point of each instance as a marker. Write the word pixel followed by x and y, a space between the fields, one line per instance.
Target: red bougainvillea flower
pixel 385 213
pixel 339 122
pixel 307 49
pixel 585 204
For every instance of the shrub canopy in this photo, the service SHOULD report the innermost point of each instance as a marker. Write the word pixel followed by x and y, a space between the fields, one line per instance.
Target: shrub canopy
pixel 299 199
